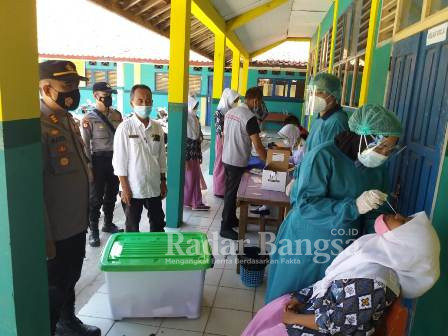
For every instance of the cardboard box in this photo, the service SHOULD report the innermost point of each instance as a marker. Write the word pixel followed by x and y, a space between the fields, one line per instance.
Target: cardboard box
pixel 275 175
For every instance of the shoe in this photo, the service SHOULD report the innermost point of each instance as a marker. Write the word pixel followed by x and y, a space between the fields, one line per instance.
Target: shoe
pixel 229 234
pixel 201 207
pixel 75 327
pixel 111 228
pixel 262 211
pixel 94 238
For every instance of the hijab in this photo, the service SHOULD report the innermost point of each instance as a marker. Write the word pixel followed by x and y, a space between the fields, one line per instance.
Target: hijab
pixel 291 133
pixel 193 128
pixel 409 253
pixel 227 99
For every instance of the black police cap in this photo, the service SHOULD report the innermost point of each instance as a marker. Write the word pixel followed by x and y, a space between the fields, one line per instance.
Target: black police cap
pixel 59 70
pixel 103 86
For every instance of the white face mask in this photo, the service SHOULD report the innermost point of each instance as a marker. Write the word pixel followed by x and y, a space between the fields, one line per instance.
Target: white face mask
pixel 317 104
pixel 371 159
pixel 143 111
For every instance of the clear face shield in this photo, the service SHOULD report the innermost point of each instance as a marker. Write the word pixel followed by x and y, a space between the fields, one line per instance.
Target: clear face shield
pixel 314 100
pixel 377 151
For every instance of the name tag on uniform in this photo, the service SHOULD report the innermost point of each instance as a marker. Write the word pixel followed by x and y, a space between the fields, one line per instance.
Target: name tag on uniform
pixel 155 137
pixel 133 136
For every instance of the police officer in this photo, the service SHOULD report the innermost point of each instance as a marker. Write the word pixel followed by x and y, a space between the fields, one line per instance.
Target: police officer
pixel 66 177
pixel 98 129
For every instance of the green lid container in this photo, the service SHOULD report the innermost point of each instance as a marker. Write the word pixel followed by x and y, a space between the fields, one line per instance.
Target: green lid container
pixel 156 251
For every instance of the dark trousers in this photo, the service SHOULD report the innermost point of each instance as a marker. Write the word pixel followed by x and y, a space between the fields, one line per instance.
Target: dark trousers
pixel 156 216
pixel 233 179
pixel 64 272
pixel 104 189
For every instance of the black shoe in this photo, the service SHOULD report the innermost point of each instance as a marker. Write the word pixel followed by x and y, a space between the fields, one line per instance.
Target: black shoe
pixel 75 327
pixel 264 212
pixel 94 238
pixel 229 234
pixel 111 228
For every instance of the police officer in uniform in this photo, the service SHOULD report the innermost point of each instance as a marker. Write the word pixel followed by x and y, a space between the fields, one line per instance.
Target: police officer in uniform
pixel 66 177
pixel 98 129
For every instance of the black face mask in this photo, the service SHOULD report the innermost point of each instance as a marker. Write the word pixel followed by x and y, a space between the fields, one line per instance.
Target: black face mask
pixel 68 100
pixel 107 101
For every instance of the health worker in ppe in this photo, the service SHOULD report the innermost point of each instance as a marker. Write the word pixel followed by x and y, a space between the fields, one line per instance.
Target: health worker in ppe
pixel 341 187
pixel 323 96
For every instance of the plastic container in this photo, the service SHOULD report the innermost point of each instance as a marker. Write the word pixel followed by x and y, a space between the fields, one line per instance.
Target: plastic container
pixel 252 266
pixel 156 274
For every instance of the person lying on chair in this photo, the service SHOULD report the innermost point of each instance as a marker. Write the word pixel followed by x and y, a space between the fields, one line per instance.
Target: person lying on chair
pixel 400 259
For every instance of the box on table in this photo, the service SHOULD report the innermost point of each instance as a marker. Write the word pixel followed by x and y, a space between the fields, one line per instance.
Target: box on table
pixel 275 175
pixel 156 274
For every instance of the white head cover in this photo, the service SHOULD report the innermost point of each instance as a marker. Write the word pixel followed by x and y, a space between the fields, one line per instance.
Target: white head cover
pixel 291 133
pixel 193 130
pixel 410 252
pixel 226 101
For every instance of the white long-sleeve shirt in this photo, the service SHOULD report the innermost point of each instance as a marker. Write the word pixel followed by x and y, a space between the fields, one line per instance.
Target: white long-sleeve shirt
pixel 139 154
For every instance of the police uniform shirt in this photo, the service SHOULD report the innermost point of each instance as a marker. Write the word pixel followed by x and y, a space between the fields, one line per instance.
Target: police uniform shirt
pixel 65 175
pixel 97 135
pixel 139 154
pixel 240 123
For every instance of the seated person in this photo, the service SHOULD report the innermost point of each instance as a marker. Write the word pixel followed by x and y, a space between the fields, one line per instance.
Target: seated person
pixel 401 258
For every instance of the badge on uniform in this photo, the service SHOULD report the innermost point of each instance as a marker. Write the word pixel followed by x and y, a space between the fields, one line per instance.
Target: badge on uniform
pixel 64 161
pixel 54 132
pixel 155 137
pixel 53 118
pixel 61 149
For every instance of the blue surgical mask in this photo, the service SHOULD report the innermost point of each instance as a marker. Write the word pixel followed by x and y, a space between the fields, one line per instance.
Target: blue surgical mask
pixel 143 111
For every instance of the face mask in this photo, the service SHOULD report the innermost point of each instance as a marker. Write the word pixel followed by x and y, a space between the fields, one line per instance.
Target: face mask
pixel 371 159
pixel 143 111
pixel 68 100
pixel 317 104
pixel 107 101
pixel 380 225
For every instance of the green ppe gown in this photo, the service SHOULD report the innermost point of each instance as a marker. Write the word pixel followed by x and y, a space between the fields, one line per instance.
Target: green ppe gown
pixel 324 129
pixel 323 220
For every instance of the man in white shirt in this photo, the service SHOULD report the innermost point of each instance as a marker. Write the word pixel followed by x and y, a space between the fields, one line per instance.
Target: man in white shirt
pixel 139 161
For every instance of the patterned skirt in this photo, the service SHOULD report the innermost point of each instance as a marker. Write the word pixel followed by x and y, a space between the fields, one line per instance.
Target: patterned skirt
pixel 349 307
pixel 193 150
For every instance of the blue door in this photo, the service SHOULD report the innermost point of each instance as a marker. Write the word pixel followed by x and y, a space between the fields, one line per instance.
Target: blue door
pixel 208 120
pixel 418 93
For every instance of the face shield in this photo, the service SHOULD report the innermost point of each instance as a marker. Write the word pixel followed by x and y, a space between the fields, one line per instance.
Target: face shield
pixel 377 151
pixel 315 100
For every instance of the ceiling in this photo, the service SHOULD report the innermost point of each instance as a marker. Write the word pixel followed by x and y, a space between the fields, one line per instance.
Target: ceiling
pixel 294 18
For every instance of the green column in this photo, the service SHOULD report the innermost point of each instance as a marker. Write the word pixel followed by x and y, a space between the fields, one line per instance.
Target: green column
pixel 23 276
pixel 176 163
pixel 23 272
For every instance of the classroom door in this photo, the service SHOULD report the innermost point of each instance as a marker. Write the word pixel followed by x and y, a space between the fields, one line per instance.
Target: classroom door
pixel 418 93
pixel 210 113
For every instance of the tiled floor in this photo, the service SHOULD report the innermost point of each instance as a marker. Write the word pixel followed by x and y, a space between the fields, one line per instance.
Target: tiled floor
pixel 227 304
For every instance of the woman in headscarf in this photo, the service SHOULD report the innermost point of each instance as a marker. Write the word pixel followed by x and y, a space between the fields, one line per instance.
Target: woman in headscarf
pixel 229 99
pixel 341 185
pixel 401 258
pixel 193 160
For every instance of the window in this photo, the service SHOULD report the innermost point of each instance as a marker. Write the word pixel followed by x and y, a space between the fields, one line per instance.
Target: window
pixel 411 12
pixel 437 5
pixel 388 14
pixel 282 88
pixel 97 75
pixel 194 86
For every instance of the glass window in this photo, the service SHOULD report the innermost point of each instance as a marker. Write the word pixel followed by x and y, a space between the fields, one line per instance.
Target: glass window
pixel 411 12
pixel 437 5
pixel 267 86
pixel 162 82
pixel 194 84
pixel 282 88
pixel 108 76
pixel 112 78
